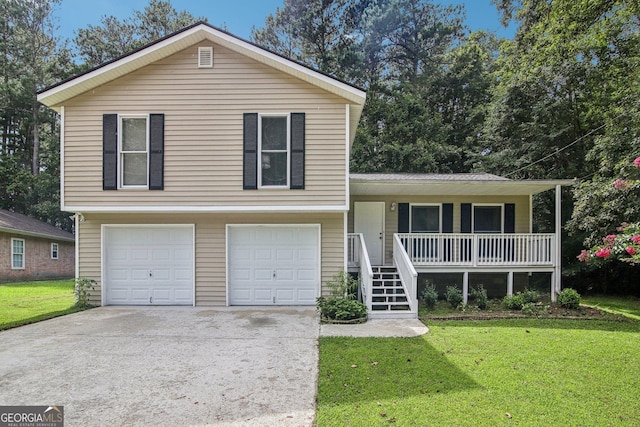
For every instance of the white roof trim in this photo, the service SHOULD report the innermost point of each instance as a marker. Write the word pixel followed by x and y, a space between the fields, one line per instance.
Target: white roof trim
pixel 205 209
pixel 55 96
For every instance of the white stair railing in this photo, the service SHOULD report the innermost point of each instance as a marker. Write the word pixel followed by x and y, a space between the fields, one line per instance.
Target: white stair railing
pixel 408 274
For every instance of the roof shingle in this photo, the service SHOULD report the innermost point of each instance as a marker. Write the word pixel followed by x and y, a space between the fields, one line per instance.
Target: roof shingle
pixel 21 224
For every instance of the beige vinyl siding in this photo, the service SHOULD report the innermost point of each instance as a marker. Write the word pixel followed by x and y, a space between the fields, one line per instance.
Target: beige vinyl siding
pixel 210 245
pixel 391 218
pixel 203 110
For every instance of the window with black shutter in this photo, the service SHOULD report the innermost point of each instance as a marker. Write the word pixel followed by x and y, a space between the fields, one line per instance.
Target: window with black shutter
pixel 274 151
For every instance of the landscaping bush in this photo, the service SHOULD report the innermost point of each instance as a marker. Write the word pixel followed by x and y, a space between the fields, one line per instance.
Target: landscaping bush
pixel 531 308
pixel 569 298
pixel 479 297
pixel 530 296
pixel 82 291
pixel 429 295
pixel 513 302
pixel 454 297
pixel 342 303
pixel 335 308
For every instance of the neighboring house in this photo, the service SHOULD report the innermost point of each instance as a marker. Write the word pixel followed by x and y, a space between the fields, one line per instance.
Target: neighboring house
pixel 205 170
pixel 33 250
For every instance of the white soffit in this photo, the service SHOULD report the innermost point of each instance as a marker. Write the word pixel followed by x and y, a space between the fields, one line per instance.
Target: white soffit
pixel 55 96
pixel 455 188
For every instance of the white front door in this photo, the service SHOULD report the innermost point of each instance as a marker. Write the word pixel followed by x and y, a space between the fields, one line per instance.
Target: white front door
pixel 273 264
pixel 368 219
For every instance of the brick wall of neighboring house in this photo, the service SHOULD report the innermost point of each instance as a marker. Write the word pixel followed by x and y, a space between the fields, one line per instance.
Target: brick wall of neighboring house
pixel 38 262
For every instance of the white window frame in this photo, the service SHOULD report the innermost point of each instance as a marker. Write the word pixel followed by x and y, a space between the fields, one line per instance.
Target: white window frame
pixel 288 117
pixel 121 152
pixel 24 247
pixel 473 217
pixel 55 250
pixel 439 205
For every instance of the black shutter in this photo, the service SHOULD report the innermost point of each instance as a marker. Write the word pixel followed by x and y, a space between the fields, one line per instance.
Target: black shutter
pixel 403 217
pixel 465 217
pixel 297 151
pixel 509 218
pixel 250 157
pixel 447 217
pixel 156 152
pixel 110 152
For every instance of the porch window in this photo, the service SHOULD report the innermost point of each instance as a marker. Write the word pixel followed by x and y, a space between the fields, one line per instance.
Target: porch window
pixel 487 219
pixel 425 218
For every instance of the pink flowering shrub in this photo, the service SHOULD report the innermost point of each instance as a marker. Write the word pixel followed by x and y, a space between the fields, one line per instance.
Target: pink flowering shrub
pixel 624 246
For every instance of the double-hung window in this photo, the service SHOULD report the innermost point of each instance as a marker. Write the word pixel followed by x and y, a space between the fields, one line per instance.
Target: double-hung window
pixel 425 218
pixel 487 218
pixel 17 254
pixel 274 151
pixel 134 151
pixel 54 251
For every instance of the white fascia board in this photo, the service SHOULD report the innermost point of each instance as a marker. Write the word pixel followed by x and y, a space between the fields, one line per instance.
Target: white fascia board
pixel 56 96
pixel 207 209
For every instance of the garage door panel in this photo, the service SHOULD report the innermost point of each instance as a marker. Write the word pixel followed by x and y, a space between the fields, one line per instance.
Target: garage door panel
pixel 262 295
pixel 273 265
pixel 147 265
pixel 263 274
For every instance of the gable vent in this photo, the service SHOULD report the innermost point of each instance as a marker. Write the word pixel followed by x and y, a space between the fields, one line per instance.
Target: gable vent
pixel 205 57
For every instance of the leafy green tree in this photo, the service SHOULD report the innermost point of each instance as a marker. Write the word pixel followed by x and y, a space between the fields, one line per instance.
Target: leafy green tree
pixel 113 38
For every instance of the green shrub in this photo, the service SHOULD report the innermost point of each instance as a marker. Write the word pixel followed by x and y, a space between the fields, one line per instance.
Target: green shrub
pixel 530 296
pixel 513 302
pixel 531 308
pixel 343 285
pixel 336 308
pixel 569 298
pixel 82 291
pixel 454 297
pixel 429 295
pixel 479 296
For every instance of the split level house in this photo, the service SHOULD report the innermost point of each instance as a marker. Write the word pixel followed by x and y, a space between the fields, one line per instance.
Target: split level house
pixel 204 170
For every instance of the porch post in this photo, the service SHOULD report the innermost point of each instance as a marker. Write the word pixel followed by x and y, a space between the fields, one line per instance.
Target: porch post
pixel 557 276
pixel 510 283
pixel 465 287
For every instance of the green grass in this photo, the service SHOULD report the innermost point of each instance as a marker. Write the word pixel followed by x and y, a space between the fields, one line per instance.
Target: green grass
pixel 524 372
pixel 29 302
pixel 625 306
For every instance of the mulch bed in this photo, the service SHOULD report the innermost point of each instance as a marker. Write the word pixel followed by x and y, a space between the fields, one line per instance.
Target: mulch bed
pixel 549 312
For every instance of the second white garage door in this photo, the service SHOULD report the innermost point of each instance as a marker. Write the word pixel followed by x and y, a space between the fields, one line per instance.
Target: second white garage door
pixel 273 265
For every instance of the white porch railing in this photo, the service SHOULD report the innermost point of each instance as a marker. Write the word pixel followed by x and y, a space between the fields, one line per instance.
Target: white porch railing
pixel 477 250
pixel 358 256
pixel 353 250
pixel 408 274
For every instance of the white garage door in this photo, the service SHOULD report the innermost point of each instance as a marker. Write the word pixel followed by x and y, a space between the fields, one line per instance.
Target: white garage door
pixel 274 265
pixel 148 265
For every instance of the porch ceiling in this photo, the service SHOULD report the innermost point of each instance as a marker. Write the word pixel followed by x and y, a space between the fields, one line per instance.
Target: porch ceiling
pixel 447 185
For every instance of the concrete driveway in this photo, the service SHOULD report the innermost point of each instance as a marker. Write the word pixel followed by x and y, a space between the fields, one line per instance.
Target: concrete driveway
pixel 167 366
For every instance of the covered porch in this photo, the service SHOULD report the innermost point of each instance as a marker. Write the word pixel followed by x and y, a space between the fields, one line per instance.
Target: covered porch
pixel 404 224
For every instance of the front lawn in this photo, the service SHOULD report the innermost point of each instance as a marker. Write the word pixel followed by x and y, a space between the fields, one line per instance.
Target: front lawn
pixel 625 306
pixel 29 302
pixel 525 372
